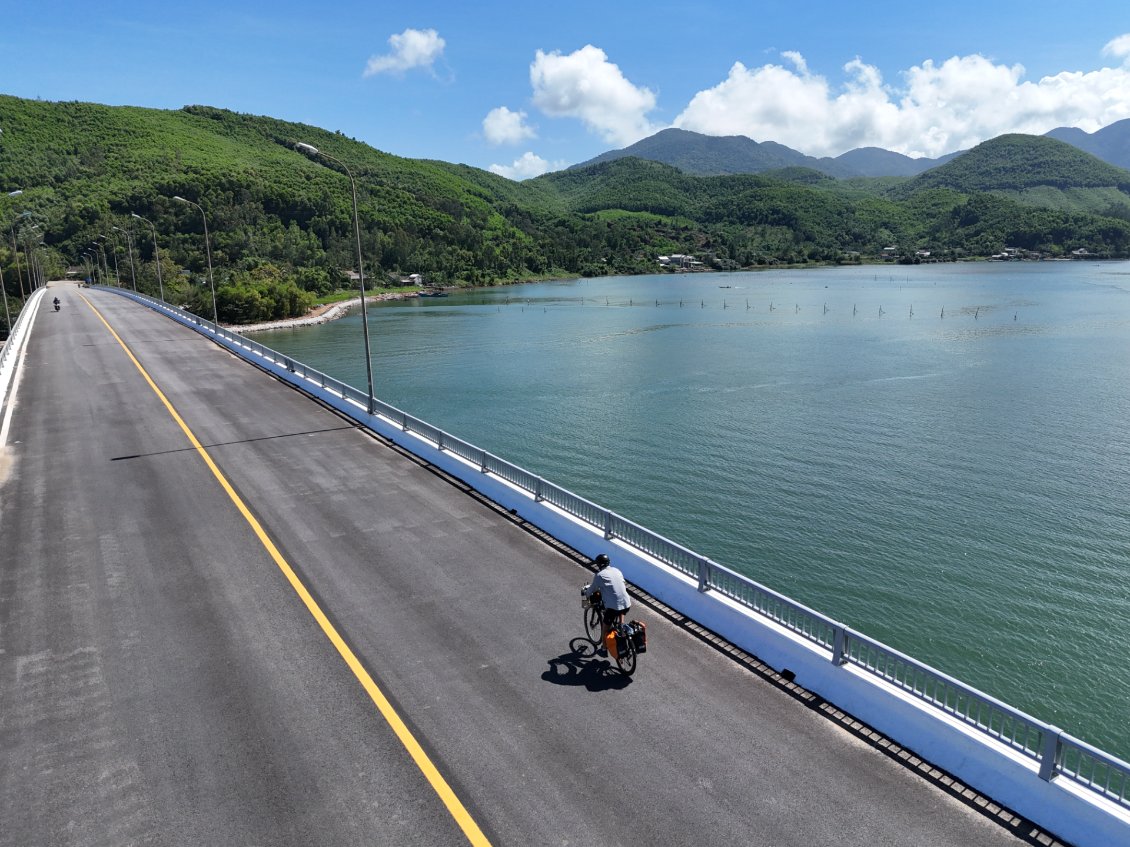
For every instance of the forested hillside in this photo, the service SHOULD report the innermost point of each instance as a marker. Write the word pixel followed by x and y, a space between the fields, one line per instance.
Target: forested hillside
pixel 281 226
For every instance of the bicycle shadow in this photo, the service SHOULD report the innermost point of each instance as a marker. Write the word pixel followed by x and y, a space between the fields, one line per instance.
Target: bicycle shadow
pixel 581 666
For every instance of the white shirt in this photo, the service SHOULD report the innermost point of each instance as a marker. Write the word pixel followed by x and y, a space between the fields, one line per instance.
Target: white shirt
pixel 613 592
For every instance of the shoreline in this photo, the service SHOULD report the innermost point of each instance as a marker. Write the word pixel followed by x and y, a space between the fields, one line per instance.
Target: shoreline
pixel 332 311
pixel 319 314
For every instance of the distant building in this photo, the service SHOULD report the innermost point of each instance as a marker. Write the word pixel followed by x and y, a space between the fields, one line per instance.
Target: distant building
pixel 681 261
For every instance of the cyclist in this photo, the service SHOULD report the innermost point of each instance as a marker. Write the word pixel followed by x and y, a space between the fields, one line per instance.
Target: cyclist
pixel 613 595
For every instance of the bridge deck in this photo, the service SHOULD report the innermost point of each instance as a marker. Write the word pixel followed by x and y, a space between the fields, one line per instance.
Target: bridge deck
pixel 161 681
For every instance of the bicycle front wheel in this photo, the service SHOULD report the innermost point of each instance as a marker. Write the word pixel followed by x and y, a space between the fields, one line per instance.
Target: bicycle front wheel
pixel 592 624
pixel 626 658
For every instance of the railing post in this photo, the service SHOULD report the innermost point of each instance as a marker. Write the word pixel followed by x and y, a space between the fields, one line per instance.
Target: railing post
pixel 1050 753
pixel 839 644
pixel 607 524
pixel 539 490
pixel 483 461
pixel 703 575
pixel 439 439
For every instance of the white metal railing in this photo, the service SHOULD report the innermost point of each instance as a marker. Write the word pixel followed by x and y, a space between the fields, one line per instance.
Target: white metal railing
pixel 1056 753
pixel 16 333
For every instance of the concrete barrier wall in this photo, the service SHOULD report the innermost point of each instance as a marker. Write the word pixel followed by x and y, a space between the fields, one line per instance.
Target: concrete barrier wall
pixel 991 768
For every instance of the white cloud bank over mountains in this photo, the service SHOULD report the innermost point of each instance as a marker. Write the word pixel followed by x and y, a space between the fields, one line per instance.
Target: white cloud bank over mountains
pixel 939 108
pixel 935 108
pixel 526 166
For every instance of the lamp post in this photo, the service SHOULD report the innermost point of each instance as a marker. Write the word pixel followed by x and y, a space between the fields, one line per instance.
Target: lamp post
pixel 98 278
pixel 208 253
pixel 37 262
pixel 3 288
pixel 16 250
pixel 114 241
pixel 156 254
pixel 105 264
pixel 91 256
pixel 31 253
pixel 32 277
pixel 129 249
pixel 7 317
pixel 314 151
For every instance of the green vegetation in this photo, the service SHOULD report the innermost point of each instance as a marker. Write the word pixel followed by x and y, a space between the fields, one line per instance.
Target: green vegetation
pixel 281 223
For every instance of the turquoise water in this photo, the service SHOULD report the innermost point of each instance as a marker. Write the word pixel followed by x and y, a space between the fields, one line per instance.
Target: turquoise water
pixel 937 456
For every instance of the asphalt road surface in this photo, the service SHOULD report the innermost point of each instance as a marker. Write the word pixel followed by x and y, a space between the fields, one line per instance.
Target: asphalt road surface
pixel 163 680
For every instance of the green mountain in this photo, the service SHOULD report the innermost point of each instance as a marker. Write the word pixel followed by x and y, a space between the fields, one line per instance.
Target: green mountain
pixel 280 221
pixel 1035 171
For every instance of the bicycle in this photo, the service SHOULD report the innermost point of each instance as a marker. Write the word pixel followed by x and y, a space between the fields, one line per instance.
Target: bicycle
pixel 626 641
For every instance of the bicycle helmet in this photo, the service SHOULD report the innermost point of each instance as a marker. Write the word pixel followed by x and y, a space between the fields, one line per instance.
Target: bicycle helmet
pixel 601 561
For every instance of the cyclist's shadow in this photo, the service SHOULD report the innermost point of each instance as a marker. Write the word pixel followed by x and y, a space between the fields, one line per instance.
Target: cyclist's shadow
pixel 581 666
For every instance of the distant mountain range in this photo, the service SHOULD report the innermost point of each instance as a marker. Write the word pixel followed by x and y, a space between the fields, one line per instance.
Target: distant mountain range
pixel 1111 143
pixel 707 155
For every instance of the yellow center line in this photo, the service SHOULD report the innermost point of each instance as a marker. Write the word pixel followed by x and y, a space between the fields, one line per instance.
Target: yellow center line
pixel 423 762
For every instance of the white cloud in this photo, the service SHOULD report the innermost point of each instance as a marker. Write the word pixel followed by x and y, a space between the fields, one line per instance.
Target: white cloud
pixel 526 166
pixel 1118 47
pixel 413 48
pixel 585 85
pixel 502 126
pixel 938 108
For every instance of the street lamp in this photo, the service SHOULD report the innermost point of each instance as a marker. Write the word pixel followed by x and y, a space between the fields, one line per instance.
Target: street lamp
pixel 208 252
pixel 15 249
pixel 114 241
pixel 35 267
pixel 33 275
pixel 91 257
pixel 314 151
pixel 40 249
pixel 3 289
pixel 129 248
pixel 105 263
pixel 7 317
pixel 156 253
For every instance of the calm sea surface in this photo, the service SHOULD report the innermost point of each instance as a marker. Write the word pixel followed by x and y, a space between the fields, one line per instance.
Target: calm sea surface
pixel 938 456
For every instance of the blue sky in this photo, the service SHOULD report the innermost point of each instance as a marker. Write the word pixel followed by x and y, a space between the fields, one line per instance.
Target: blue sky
pixel 525 87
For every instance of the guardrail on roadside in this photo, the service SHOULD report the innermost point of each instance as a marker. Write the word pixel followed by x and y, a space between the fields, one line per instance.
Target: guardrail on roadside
pixel 1055 753
pixel 16 336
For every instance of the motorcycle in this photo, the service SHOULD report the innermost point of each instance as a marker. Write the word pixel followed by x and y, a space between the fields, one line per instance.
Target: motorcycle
pixel 57 304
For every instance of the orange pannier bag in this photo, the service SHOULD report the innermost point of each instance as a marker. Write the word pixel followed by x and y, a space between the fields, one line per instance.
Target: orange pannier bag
pixel 610 644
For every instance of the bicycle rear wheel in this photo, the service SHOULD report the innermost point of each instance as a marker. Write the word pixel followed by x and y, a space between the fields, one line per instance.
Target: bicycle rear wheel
pixel 592 624
pixel 626 658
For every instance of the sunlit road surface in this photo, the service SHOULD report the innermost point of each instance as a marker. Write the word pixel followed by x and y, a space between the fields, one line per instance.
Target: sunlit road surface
pixel 229 616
